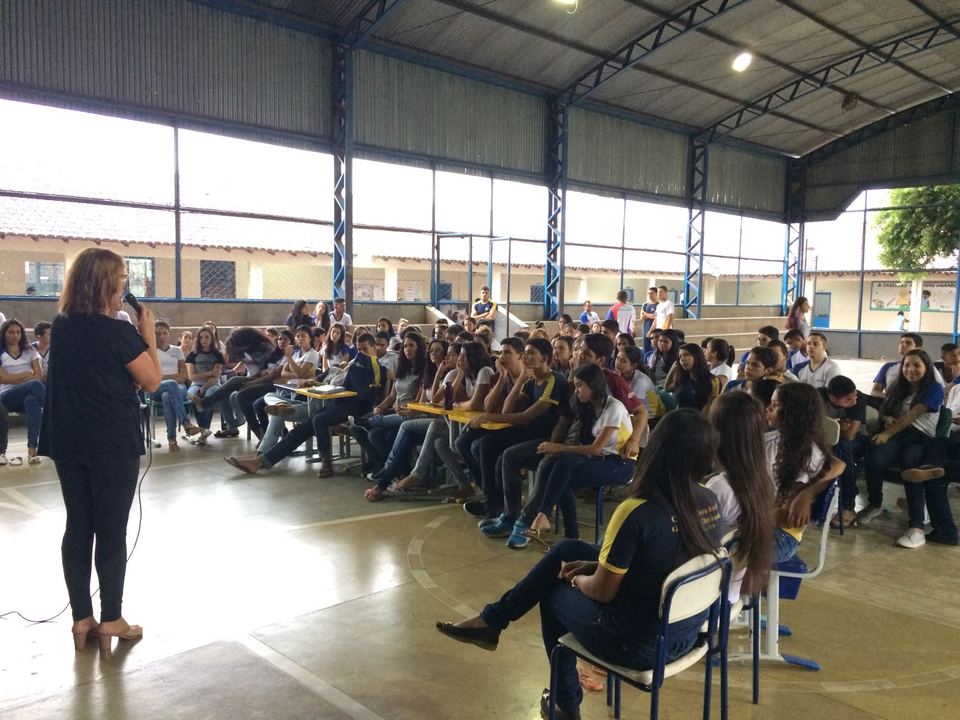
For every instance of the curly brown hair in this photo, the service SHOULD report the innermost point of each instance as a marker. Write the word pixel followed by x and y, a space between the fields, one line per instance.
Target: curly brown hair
pixel 800 426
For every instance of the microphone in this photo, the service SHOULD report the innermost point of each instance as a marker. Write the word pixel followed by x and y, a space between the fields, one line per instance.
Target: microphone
pixel 132 301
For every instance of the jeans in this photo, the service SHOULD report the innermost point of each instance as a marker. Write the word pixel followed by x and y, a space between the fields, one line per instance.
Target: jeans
pixel 411 432
pixel 255 415
pixel 509 483
pixel 318 425
pixel 468 445
pixel 489 449
pixel 907 449
pixel 850 451
pixel 573 471
pixel 378 436
pixel 438 430
pixel 97 494
pixel 171 395
pixel 205 416
pixel 785 545
pixel 933 494
pixel 564 609
pixel 275 425
pixel 221 396
pixel 4 429
pixel 27 398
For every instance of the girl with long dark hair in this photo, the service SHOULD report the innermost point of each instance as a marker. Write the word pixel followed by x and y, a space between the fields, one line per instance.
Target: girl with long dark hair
pixel 629 363
pixel 299 316
pixel 744 489
pixel 910 414
pixel 21 381
pixel 609 597
pixel 336 352
pixel 690 379
pixel 436 357
pixel 797 318
pixel 664 357
pixel 801 463
pixel 720 357
pixel 321 316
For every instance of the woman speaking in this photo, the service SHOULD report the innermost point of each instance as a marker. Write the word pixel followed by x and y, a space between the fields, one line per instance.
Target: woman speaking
pixel 91 430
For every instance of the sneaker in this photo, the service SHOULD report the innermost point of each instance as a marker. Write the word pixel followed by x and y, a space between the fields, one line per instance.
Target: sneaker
pixel 204 434
pixel 197 401
pixel 220 434
pixel 477 508
pixel 913 538
pixel 869 513
pixel 490 520
pixel 561 713
pixel 934 536
pixel 518 537
pixel 501 528
pixel 375 475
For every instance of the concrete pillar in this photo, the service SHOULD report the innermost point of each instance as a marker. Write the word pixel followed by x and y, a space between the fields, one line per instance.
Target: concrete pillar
pixel 255 282
pixel 499 289
pixel 916 300
pixel 583 292
pixel 390 284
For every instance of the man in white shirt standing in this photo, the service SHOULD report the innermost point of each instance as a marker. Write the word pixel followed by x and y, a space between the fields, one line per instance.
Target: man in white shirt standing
pixel 172 392
pixel 339 314
pixel 664 311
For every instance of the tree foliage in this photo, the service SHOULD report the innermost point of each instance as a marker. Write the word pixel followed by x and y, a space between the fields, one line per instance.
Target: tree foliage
pixel 911 239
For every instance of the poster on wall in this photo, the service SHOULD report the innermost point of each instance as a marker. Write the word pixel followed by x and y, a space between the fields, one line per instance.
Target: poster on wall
pixel 894 296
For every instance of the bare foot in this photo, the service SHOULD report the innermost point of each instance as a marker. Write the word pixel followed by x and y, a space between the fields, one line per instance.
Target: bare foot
pixel 173 446
pixel 249 465
pixel 374 494
pixel 410 482
pixel 474 622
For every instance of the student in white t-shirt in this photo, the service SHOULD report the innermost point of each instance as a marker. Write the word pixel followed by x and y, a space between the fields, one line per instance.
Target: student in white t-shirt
pixel 801 465
pixel 603 428
pixel 720 357
pixel 744 488
pixel 664 311
pixel 340 314
pixel 41 343
pixel 21 381
pixel 819 369
pixel 172 392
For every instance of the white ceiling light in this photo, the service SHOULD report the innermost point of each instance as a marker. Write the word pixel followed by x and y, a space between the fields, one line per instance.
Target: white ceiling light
pixel 572 5
pixel 742 61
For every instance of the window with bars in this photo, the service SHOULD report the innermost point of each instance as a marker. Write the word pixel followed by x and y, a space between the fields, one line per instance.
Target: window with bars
pixel 445 291
pixel 218 279
pixel 44 279
pixel 140 276
pixel 536 293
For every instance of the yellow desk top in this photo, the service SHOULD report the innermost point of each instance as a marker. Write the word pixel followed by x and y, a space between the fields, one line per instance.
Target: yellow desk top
pixel 465 416
pixel 308 392
pixel 428 408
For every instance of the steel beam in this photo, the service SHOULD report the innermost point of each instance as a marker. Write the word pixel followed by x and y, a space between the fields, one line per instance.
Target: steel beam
pixel 342 173
pixel 367 20
pixel 553 271
pixel 697 207
pixel 794 242
pixel 669 29
pixel 849 66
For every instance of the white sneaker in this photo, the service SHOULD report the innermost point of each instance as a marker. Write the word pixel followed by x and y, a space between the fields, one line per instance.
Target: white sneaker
pixel 912 539
pixel 3 459
pixel 869 513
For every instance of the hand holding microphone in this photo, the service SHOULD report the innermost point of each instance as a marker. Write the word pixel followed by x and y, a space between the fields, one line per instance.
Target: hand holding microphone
pixel 145 319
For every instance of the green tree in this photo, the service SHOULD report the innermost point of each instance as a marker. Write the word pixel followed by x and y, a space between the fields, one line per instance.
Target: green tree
pixel 913 238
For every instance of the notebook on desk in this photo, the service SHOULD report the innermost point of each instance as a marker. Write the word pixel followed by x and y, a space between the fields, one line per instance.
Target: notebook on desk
pixel 327 389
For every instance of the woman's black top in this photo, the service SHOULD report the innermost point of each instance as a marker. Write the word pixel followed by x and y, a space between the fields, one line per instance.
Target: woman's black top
pixel 91 406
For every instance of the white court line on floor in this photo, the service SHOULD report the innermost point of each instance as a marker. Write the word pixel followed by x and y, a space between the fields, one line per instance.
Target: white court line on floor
pixel 22 499
pixel 371 516
pixel 332 695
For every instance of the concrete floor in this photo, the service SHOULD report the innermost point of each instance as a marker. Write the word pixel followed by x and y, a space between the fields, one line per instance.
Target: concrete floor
pixel 290 597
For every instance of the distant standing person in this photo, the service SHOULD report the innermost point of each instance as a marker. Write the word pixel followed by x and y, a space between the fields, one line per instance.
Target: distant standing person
pixel 339 314
pixel 900 322
pixel 797 317
pixel 588 316
pixel 624 313
pixel 664 311
pixel 485 308
pixel 649 310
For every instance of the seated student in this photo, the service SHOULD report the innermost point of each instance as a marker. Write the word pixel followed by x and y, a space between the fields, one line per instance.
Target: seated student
pixel 890 371
pixel 470 324
pixel 583 330
pixel 204 367
pixel 172 391
pixel 385 325
pixel 562 355
pixel 819 370
pixel 539 333
pixel 630 366
pixel 298 365
pixel 21 381
pixel 910 414
pixel 611 329
pixel 667 518
pixel 186 342
pixel 948 365
pixel 336 352
pixel 797 343
pixel 299 315
pixel 469 379
pixel 691 381
pixel 720 357
pixel 623 340
pixel 436 360
pixel 377 433
pixel 440 329
pixel 319 344
pixel 386 358
pixel 364 377
pixel 481 448
pixel 801 465
pixel 764 336
pixel 780 372
pixel 598 458
pixel 260 358
pixel 533 406
pixel 41 331
pixel 848 406
pixel 666 354
pixel 744 489
pixel 273 334
pixel 761 361
pixel 453 333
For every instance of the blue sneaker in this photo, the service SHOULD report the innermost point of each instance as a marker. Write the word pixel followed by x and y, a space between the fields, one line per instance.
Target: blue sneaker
pixel 518 538
pixel 490 520
pixel 500 528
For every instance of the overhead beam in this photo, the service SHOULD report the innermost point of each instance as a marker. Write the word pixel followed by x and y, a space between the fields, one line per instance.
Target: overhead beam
pixel 361 28
pixel 664 32
pixel 933 15
pixel 860 62
pixel 810 15
pixel 917 112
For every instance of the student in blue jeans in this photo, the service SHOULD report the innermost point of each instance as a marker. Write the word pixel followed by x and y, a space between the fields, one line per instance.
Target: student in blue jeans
pixel 21 381
pixel 609 597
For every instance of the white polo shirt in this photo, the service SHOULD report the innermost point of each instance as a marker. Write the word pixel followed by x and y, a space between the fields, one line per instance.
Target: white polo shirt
pixel 664 309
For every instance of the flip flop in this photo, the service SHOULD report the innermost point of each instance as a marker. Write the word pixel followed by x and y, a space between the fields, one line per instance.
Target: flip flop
pixel 236 463
pixel 15 461
pixel 34 460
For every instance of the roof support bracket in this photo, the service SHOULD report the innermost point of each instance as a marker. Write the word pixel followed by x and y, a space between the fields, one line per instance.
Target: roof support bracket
pixel 553 270
pixel 697 207
pixel 342 173
pixel 795 241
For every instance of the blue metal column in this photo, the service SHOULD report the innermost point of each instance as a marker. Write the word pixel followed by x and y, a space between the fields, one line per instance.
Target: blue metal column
pixel 177 245
pixel 556 212
pixel 342 173
pixel 697 207
pixel 794 245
